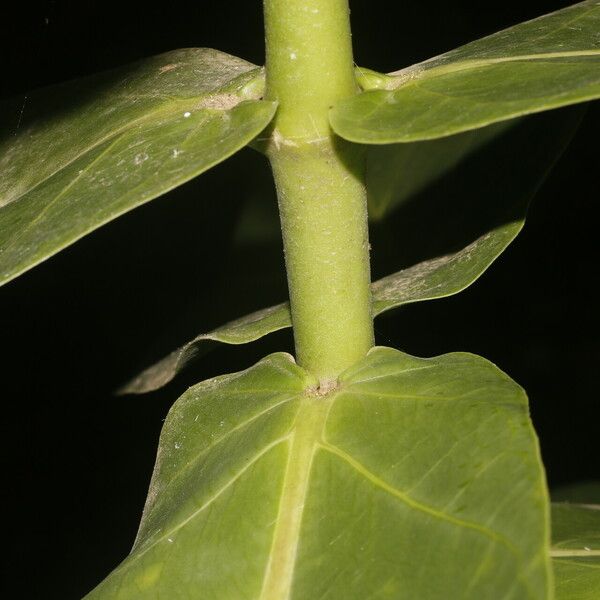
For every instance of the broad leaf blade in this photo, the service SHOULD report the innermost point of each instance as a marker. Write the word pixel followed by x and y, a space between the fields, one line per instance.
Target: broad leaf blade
pixel 127 137
pixel 546 63
pixel 576 551
pixel 219 470
pixel 417 478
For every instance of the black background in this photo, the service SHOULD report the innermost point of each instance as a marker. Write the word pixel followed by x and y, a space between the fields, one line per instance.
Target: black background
pixel 76 458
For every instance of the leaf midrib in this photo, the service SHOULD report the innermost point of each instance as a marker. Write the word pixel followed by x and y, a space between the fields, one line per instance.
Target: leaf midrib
pixel 306 435
pixel 419 73
pixel 169 107
pixel 135 557
pixel 20 233
pixel 556 553
pixel 165 109
pixel 196 458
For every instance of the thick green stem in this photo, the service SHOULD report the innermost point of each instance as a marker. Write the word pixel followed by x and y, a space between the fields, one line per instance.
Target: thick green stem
pixel 319 179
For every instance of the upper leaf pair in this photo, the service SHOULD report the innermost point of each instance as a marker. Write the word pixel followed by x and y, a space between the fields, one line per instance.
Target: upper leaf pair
pixel 83 153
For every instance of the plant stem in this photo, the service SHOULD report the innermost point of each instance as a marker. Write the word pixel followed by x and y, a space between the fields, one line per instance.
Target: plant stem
pixel 319 180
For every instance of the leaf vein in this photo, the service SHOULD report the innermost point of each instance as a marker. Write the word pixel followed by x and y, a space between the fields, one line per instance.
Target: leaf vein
pixel 402 496
pixel 210 500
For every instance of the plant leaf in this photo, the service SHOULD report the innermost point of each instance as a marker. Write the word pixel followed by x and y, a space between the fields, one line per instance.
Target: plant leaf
pixel 576 551
pixel 443 276
pixel 395 173
pixel 114 141
pixel 241 331
pixel 542 64
pixel 473 236
pixel 415 478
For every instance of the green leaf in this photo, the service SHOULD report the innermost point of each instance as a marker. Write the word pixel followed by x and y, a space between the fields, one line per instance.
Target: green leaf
pixel 445 275
pixel 415 478
pixel 576 551
pixel 397 172
pixel 473 236
pixel 86 152
pixel 241 331
pixel 549 62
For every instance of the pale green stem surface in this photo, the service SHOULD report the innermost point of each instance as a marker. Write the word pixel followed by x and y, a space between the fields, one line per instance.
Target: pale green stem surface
pixel 319 180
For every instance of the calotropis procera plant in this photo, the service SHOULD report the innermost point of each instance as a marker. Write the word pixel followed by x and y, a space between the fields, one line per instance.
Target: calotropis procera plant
pixel 347 471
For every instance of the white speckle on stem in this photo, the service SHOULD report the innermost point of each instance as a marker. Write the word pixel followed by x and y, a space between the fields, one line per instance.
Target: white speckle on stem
pixel 176 152
pixel 170 540
pixel 293 55
pixel 140 158
pixel 187 114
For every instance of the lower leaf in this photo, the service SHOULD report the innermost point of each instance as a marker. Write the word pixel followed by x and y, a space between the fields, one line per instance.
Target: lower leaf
pixel 576 551
pixel 414 478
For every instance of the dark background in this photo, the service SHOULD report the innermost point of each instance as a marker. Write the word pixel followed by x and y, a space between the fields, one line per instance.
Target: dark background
pixel 76 458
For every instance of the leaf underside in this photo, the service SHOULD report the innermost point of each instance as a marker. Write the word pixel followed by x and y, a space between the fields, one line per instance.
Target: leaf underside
pixel 488 228
pixel 396 173
pixel 85 152
pixel 416 478
pixel 542 64
pixel 576 551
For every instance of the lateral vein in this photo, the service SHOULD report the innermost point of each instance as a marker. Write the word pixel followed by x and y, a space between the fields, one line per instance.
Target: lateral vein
pixel 420 72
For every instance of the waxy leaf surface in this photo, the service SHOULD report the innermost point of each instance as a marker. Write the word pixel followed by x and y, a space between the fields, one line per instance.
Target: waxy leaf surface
pixel 542 64
pixel 82 153
pixel 415 478
pixel 576 551
pixel 472 235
